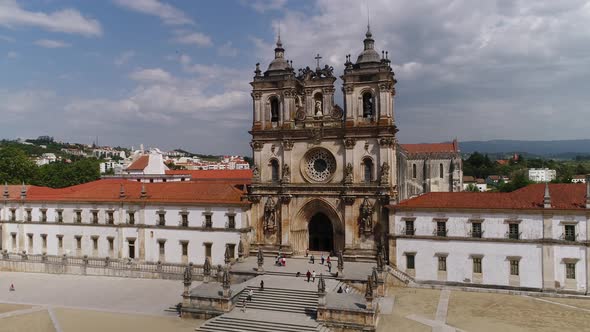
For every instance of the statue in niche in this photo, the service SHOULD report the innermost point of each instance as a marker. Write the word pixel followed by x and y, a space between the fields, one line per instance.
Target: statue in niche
pixel 318 108
pixel 286 173
pixel 255 173
pixel 270 212
pixel 348 173
pixel 385 173
pixel 366 216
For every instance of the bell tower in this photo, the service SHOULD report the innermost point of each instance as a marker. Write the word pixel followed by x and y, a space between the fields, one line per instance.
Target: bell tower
pixel 323 173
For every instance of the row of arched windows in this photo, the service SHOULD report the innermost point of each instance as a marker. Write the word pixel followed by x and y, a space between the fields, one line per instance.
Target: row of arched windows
pixel 441 171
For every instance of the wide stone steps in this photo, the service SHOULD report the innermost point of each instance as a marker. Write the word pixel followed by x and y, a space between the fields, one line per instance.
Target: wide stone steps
pixel 233 324
pixel 343 285
pixel 279 299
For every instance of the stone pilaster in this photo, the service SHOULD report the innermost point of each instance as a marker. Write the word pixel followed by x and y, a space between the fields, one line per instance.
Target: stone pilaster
pixel 548 254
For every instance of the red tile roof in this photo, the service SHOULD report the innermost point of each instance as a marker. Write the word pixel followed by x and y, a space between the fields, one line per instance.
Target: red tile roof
pixel 451 147
pixel 108 190
pixel 139 164
pixel 564 196
pixel 243 175
pixel 468 178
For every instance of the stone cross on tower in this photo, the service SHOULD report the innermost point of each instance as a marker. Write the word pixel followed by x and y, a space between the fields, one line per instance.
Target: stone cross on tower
pixel 317 58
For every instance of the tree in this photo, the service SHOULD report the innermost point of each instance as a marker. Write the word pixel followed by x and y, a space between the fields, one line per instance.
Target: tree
pixel 15 166
pixel 519 180
pixel 472 188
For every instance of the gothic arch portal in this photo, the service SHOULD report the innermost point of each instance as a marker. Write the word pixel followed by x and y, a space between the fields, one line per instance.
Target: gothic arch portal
pixel 300 236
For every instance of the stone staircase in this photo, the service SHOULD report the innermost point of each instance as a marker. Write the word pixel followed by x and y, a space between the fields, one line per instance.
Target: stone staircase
pixel 342 284
pixel 279 299
pixel 224 323
pixel 403 277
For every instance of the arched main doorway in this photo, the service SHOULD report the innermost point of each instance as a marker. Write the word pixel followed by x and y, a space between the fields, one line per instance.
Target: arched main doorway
pixel 321 233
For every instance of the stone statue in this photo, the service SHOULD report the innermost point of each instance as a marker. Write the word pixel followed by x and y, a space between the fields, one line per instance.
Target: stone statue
pixel 188 274
pixel 227 255
pixel 286 173
pixel 369 288
pixel 225 279
pixel 255 173
pixel 366 216
pixel 380 262
pixel 318 108
pixel 207 267
pixel 321 284
pixel 385 173
pixel 270 215
pixel 219 272
pixel 348 173
pixel 260 257
pixel 375 277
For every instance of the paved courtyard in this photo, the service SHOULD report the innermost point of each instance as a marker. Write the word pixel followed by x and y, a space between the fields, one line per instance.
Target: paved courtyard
pixel 65 303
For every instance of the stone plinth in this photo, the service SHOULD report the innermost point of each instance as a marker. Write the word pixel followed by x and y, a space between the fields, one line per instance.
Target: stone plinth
pixel 348 312
pixel 209 300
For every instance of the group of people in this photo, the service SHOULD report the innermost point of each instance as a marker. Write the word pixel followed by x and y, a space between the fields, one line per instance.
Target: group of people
pixel 323 260
pixel 346 289
pixel 280 260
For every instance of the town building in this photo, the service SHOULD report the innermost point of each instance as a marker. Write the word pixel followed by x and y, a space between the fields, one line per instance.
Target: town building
pixel 177 222
pixel 579 179
pixel 323 173
pixel 495 180
pixel 470 181
pixel 542 174
pixel 534 238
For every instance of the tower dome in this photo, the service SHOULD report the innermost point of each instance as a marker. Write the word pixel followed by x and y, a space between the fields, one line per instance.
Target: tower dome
pixel 368 54
pixel 279 63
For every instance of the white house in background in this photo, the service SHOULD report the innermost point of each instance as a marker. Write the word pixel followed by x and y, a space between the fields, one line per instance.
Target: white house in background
pixel 45 159
pixel 480 184
pixel 151 163
pixel 579 179
pixel 542 174
pixel 175 222
pixel 534 238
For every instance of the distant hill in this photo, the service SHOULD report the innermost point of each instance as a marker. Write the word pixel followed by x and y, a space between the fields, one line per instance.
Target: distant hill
pixel 560 149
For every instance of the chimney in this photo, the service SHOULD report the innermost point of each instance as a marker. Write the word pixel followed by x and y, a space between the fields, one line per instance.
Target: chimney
pixel 547 197
pixel 587 191
pixel 6 192
pixel 23 191
pixel 122 192
pixel 143 191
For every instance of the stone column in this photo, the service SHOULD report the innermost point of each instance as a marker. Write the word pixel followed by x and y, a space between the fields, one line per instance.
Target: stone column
pixel 349 105
pixel 548 254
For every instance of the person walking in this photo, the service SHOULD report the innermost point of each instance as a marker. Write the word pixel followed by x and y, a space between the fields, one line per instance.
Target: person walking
pixel 328 259
pixel 250 294
pixel 313 276
pixel 11 287
pixel 261 285
pixel 330 267
pixel 312 259
pixel 308 275
pixel 244 305
pixel 322 259
pixel 179 309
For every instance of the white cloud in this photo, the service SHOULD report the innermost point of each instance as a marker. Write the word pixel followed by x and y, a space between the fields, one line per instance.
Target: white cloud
pixel 66 20
pixel 193 38
pixel 12 55
pixel 6 38
pixel 262 6
pixel 151 75
pixel 49 43
pixel 167 13
pixel 25 101
pixel 124 57
pixel 227 50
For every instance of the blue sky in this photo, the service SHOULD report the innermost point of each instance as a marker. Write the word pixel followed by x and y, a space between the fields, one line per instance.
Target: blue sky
pixel 175 73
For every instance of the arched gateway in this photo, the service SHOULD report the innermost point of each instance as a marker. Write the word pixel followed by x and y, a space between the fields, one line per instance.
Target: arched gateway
pixel 317 227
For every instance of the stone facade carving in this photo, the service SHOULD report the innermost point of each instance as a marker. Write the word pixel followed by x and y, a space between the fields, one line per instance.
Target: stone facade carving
pixel 348 174
pixel 207 267
pixel 366 216
pixel 270 215
pixel 288 145
pixel 256 146
pixel 349 143
pixel 255 173
pixel 286 174
pixel 188 274
pixel 384 173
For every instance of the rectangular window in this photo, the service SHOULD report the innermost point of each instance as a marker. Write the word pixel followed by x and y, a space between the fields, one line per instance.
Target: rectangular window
pixel 110 217
pixel 184 220
pixel 476 264
pixel 44 241
pixel 570 270
pixel 13 235
pixel 30 236
pixel 410 227
pixel 232 250
pixel 476 229
pixel 513 231
pixel 78 241
pixel 162 248
pixel 570 232
pixel 95 217
pixel 162 219
pixel 131 218
pixel 60 241
pixel 111 243
pixel 12 214
pixel 208 221
pixel 441 228
pixel 131 248
pixel 43 215
pixel 78 217
pixel 60 216
pixel 442 263
pixel 410 258
pixel 184 246
pixel 29 215
pixel 95 243
pixel 514 270
pixel 208 249
pixel 231 221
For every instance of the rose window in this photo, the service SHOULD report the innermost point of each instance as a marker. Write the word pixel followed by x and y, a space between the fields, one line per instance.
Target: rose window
pixel 319 165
